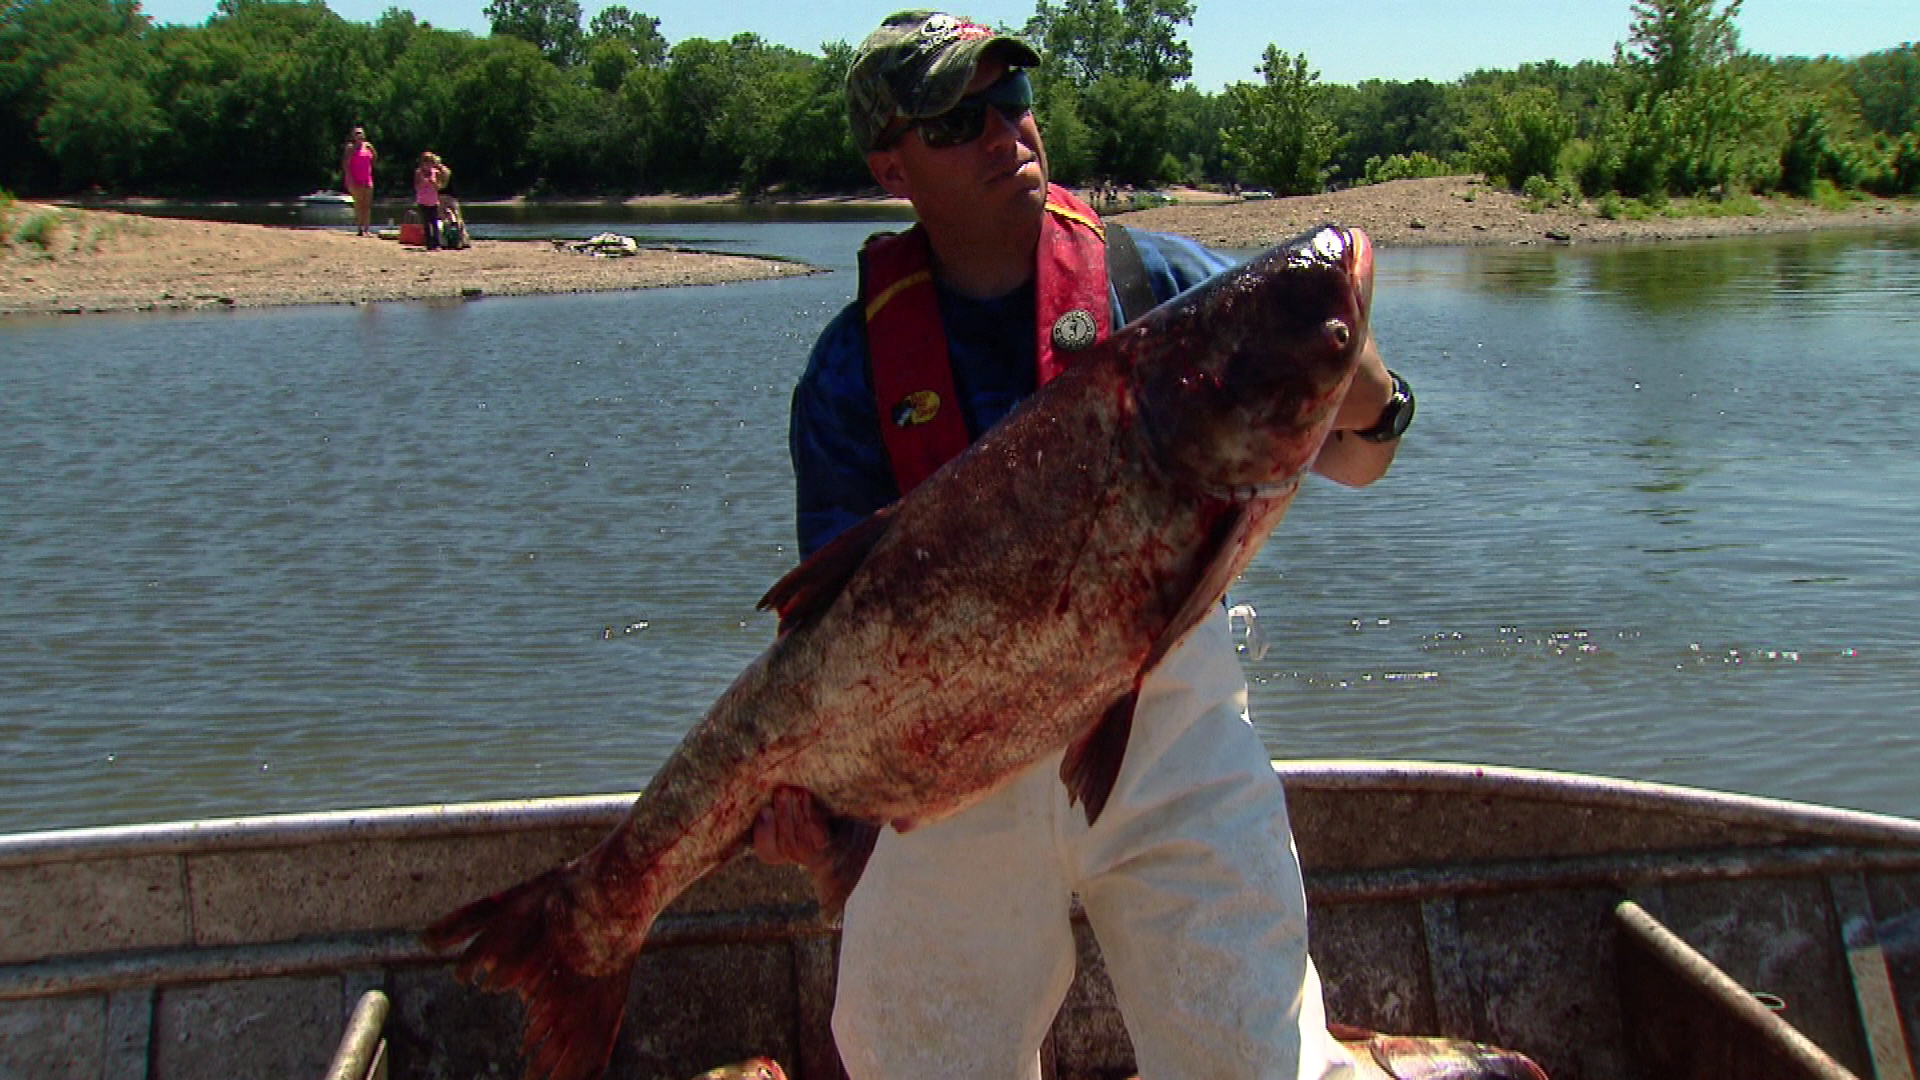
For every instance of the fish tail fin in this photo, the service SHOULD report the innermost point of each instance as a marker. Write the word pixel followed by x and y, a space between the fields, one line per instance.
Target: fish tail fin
pixel 518 940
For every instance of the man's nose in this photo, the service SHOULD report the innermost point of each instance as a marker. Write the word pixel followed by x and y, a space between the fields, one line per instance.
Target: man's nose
pixel 1000 126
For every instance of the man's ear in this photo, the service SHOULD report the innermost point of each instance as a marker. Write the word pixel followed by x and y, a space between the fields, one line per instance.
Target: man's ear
pixel 889 173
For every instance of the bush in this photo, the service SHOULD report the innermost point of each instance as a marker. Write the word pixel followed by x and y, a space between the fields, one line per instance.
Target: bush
pixel 1616 207
pixel 36 228
pixel 1172 170
pixel 1901 172
pixel 1735 204
pixel 1813 156
pixel 1523 137
pixel 1828 196
pixel 1542 193
pixel 1405 167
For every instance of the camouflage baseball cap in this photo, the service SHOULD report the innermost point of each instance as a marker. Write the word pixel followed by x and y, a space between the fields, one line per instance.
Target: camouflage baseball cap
pixel 918 64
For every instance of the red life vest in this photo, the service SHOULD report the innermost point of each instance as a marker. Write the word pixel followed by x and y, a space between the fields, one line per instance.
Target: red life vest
pixel 920 417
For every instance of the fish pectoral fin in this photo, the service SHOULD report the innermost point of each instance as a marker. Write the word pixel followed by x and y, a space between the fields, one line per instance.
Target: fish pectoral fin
pixel 1230 533
pixel 1092 764
pixel 810 588
pixel 849 846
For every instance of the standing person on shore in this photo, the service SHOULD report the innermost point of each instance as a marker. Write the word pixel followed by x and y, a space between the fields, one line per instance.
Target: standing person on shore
pixel 430 178
pixel 957 947
pixel 356 168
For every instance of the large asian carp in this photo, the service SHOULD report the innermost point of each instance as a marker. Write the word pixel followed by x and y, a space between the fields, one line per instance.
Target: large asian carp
pixel 1008 607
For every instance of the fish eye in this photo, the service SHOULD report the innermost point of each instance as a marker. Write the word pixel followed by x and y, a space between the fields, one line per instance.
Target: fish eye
pixel 1338 332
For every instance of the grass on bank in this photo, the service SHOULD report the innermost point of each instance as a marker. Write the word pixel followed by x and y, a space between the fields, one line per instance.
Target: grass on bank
pixel 49 231
pixel 1543 194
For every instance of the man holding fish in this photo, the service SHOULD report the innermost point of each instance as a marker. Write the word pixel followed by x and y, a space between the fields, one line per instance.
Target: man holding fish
pixel 957 949
pixel 1003 676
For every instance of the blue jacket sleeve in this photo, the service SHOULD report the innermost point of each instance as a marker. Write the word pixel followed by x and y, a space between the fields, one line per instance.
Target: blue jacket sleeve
pixel 840 467
pixel 1175 264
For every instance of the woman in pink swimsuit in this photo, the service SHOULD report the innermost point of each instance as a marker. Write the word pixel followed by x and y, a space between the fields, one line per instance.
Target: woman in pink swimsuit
pixel 428 179
pixel 356 162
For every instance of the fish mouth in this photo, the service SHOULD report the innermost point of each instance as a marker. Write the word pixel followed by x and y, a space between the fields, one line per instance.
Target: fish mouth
pixel 1358 264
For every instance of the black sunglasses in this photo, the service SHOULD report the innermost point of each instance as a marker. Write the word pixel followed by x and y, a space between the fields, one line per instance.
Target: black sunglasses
pixel 960 125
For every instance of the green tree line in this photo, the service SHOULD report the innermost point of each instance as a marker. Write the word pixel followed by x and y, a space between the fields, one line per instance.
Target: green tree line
pixel 258 100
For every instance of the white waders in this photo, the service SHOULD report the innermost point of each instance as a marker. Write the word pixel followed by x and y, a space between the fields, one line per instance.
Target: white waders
pixel 957 949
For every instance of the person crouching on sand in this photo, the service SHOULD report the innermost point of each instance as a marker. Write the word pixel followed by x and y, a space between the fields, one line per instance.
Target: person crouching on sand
pixel 429 178
pixel 356 168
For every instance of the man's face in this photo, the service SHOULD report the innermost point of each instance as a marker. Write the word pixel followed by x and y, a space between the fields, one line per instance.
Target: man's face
pixel 1004 170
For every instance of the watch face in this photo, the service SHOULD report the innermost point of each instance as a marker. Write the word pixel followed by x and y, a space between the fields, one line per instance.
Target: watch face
pixel 1402 412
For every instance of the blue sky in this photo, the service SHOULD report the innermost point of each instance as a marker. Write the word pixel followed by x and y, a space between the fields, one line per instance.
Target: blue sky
pixel 1344 40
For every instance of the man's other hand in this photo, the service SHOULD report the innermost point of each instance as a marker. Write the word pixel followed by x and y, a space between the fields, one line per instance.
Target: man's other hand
pixel 792 830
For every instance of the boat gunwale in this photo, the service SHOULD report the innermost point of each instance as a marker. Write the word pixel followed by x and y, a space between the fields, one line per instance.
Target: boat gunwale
pixel 1345 776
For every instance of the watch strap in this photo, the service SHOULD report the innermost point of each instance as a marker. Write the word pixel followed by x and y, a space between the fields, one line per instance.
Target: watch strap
pixel 1395 415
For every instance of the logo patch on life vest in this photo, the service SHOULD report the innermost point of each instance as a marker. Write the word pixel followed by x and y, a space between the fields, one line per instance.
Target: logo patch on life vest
pixel 1075 330
pixel 915 409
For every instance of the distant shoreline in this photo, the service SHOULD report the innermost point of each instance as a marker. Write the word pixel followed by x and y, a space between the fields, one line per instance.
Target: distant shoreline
pixel 113 202
pixel 107 261
pixel 1460 211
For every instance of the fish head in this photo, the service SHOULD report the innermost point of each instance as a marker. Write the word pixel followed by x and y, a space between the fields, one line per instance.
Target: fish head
pixel 1236 382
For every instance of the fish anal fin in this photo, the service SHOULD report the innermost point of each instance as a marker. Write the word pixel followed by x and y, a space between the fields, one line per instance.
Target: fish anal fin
pixel 810 588
pixel 849 846
pixel 1092 763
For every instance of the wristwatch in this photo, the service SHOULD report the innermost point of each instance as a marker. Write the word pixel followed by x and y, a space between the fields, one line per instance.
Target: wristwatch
pixel 1395 415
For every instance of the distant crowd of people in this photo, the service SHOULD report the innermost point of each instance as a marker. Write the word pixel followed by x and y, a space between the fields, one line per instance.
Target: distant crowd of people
pixel 430 177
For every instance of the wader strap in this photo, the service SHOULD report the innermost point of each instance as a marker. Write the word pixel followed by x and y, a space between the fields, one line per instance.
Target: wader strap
pixel 1128 274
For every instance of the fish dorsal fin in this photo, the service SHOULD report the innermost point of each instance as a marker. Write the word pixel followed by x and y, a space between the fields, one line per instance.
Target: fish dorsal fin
pixel 1092 764
pixel 810 588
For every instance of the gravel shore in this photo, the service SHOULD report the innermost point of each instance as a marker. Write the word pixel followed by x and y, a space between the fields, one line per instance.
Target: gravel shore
pixel 1465 211
pixel 101 261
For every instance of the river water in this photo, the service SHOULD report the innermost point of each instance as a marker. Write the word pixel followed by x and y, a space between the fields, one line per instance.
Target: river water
pixel 1654 520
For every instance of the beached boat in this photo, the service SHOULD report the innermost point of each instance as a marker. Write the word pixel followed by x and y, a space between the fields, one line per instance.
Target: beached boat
pixel 1608 929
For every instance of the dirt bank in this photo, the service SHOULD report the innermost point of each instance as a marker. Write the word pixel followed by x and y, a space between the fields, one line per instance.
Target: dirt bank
pixel 99 261
pixel 1462 210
